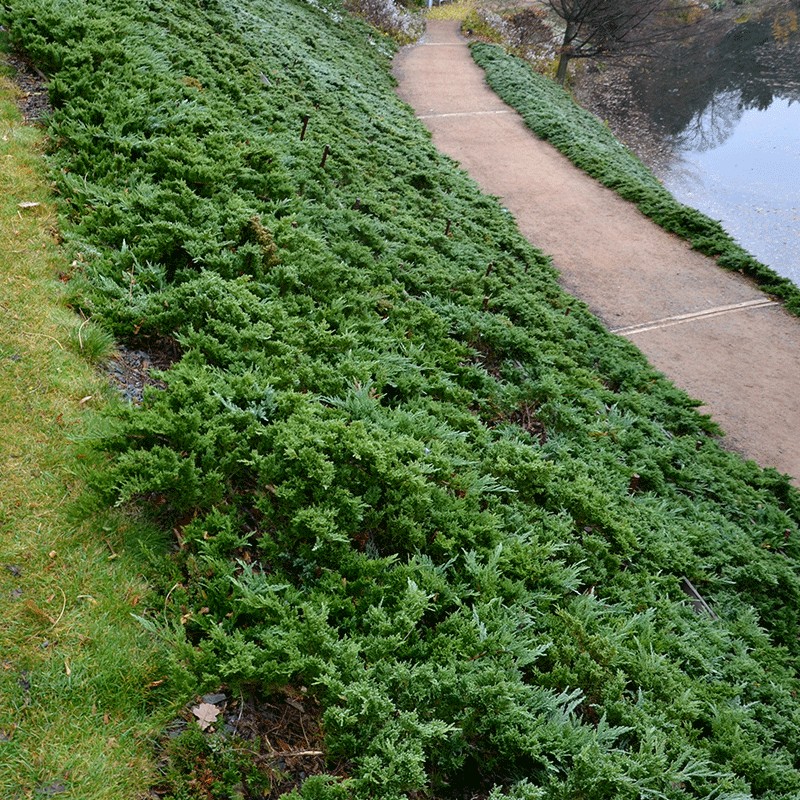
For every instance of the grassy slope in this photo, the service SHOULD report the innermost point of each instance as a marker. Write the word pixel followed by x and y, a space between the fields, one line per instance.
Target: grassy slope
pixel 552 114
pixel 75 665
pixel 406 470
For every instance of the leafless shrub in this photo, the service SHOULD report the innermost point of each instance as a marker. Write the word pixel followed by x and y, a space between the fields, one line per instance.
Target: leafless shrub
pixel 389 17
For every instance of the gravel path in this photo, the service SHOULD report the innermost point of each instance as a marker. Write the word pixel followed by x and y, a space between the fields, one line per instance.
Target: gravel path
pixel 712 332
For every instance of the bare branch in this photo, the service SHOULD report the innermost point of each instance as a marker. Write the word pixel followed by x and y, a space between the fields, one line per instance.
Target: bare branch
pixel 611 27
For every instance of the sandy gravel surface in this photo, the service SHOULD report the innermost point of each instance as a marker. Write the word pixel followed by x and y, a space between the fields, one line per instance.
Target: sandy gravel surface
pixel 712 332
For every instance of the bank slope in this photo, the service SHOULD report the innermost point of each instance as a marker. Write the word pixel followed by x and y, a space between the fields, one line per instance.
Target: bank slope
pixel 408 477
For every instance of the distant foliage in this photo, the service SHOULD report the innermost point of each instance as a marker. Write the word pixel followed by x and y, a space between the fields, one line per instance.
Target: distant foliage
pixel 389 17
pixel 552 114
pixel 402 468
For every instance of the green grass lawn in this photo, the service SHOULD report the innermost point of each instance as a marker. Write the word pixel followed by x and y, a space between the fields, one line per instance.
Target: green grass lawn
pixel 75 718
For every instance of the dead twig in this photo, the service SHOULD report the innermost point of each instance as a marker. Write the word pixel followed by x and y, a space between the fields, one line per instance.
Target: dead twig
pixel 80 338
pixel 166 599
pixel 63 606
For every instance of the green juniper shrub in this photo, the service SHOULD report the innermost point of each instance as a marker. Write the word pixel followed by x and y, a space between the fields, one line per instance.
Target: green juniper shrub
pixel 402 468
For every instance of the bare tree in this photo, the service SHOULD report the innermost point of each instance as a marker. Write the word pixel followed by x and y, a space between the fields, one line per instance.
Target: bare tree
pixel 606 27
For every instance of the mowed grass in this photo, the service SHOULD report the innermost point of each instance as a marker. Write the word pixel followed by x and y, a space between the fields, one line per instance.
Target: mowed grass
pixel 459 10
pixel 75 719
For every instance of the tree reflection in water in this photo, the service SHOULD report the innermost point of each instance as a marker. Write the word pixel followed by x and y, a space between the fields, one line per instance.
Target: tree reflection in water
pixel 710 127
pixel 724 109
pixel 696 94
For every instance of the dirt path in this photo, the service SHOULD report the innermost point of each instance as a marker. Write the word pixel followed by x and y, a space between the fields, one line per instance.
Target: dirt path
pixel 710 331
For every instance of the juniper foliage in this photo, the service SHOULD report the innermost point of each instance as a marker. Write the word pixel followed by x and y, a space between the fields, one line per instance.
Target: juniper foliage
pixel 398 458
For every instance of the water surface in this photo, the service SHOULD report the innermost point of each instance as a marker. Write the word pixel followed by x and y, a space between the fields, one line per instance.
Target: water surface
pixel 729 108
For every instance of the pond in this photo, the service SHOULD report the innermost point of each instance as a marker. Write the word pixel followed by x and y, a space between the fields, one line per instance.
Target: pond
pixel 728 106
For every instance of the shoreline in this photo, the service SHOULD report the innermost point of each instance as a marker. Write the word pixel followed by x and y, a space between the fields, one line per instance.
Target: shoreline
pixel 628 269
pixel 627 98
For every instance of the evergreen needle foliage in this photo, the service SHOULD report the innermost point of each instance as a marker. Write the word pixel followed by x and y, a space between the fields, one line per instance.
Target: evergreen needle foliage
pixel 400 462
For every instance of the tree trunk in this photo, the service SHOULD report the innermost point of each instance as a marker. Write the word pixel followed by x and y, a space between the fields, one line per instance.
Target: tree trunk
pixel 565 53
pixel 561 72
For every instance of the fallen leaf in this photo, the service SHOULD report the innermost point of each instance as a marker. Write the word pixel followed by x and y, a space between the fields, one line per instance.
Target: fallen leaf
pixel 206 715
pixel 295 704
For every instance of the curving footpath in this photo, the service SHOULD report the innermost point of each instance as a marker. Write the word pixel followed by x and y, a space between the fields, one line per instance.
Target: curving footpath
pixel 712 332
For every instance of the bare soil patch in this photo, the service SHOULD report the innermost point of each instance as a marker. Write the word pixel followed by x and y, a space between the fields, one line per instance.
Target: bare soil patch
pixel 132 369
pixel 33 98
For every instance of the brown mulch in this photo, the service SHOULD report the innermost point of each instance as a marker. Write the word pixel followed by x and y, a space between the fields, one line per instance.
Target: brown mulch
pixel 33 99
pixel 282 735
pixel 131 370
pixel 287 732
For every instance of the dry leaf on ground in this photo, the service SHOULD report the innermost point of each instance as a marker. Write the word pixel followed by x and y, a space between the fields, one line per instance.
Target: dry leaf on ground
pixel 206 715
